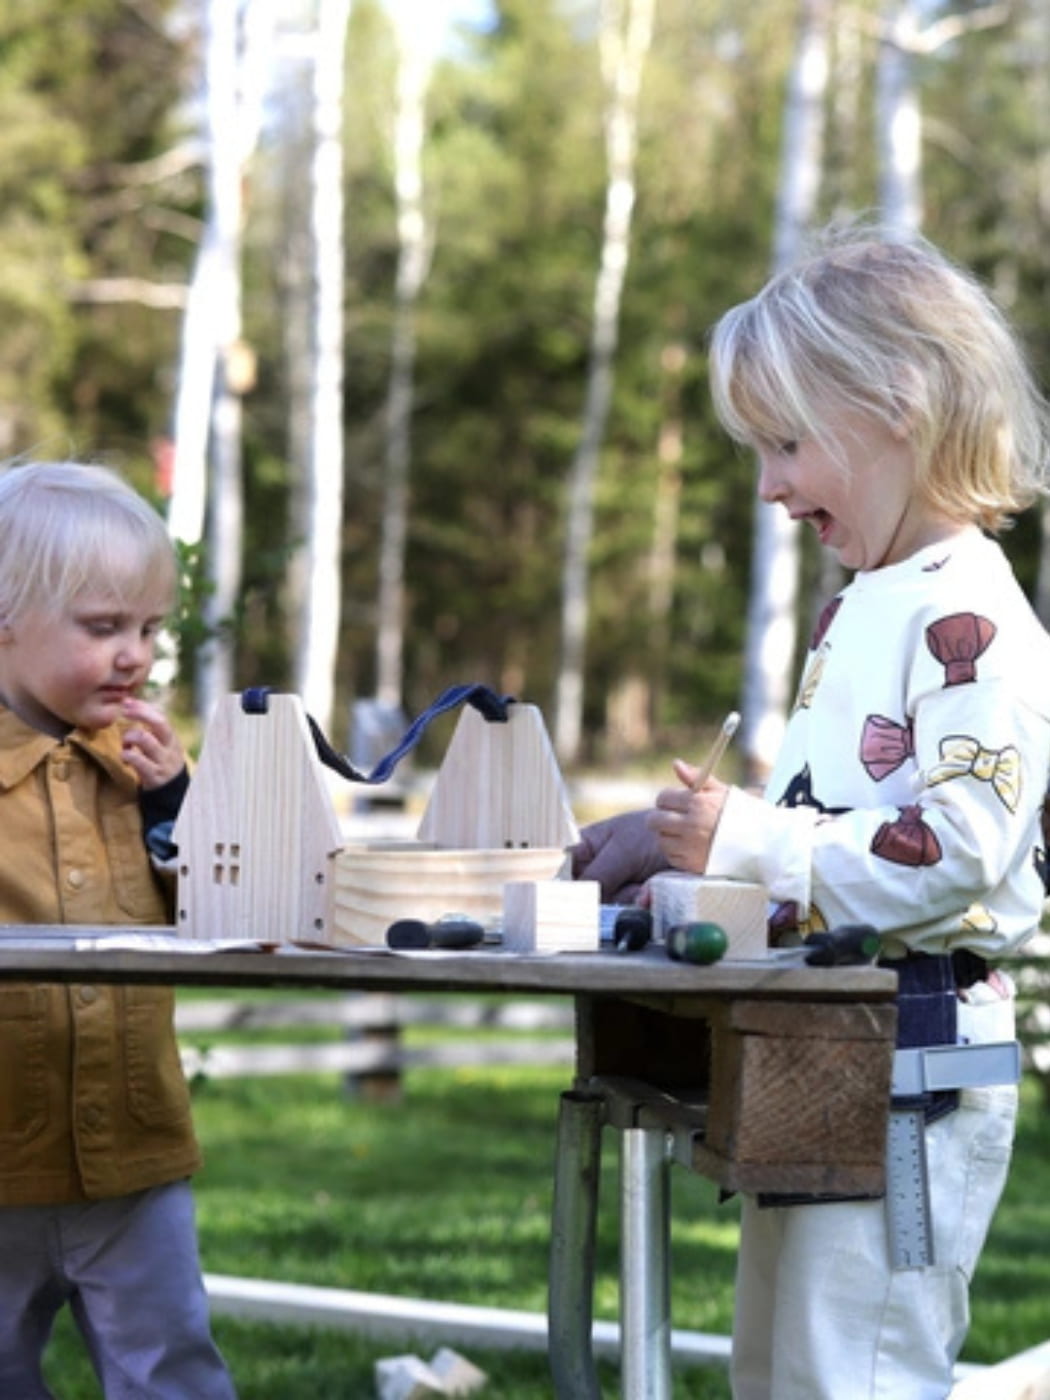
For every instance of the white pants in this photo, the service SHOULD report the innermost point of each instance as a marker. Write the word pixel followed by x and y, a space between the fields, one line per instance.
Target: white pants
pixel 821 1315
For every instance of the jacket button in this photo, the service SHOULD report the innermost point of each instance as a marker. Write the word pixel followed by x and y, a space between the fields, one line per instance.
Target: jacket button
pixel 88 995
pixel 75 879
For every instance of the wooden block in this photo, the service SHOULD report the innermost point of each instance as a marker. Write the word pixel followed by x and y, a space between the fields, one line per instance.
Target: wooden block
pixel 459 1376
pixel 741 909
pixel 551 916
pixel 406 1378
pixel 799 1097
pixel 409 1378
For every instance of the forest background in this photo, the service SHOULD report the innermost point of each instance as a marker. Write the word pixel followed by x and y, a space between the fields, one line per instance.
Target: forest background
pixel 457 507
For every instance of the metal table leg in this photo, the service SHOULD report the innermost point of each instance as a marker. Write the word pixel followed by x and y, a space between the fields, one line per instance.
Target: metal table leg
pixel 645 1291
pixel 573 1229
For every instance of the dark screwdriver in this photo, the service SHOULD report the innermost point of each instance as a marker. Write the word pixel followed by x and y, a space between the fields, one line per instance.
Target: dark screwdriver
pixel 632 930
pixel 849 945
pixel 445 933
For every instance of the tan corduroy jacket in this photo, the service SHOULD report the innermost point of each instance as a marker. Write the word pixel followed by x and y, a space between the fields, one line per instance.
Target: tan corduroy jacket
pixel 93 1102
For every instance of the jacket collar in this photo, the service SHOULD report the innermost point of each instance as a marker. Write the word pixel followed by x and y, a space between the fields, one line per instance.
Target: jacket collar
pixel 22 748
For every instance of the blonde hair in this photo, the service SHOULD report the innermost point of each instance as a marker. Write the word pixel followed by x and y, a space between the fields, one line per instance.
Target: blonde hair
pixel 65 528
pixel 885 324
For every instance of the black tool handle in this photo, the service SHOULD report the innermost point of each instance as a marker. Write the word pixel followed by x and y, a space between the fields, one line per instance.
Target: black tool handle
pixel 445 933
pixel 633 929
pixel 846 946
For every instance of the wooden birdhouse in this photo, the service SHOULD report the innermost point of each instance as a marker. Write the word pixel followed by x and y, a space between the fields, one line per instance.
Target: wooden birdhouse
pixel 262 857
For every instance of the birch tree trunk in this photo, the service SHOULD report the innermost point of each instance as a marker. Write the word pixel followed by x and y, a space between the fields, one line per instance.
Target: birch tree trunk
pixel 215 371
pixel 297 339
pixel 418 28
pixel 626 32
pixel 319 637
pixel 906 31
pixel 1037 35
pixel 898 121
pixel 200 335
pixel 769 659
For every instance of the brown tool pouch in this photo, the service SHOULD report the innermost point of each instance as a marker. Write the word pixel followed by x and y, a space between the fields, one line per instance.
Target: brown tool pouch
pixel 927 1003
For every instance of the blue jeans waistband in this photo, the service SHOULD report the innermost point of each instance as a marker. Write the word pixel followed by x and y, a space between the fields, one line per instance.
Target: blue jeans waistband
pixel 928 988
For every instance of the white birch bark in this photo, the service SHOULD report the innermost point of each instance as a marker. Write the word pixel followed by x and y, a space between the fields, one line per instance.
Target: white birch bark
pixel 906 32
pixel 232 149
pixel 1037 39
pixel 295 76
pixel 769 659
pixel 200 335
pixel 898 120
pixel 225 504
pixel 238 39
pixel 297 338
pixel 418 29
pixel 626 32
pixel 319 636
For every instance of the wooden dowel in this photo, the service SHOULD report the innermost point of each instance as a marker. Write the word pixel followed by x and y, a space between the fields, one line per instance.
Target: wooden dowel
pixel 729 727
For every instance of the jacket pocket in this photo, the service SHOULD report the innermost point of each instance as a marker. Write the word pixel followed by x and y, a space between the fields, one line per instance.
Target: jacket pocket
pixel 23 1064
pixel 135 886
pixel 158 1095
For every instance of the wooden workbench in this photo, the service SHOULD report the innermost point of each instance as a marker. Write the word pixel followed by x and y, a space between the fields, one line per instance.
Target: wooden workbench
pixel 763 1077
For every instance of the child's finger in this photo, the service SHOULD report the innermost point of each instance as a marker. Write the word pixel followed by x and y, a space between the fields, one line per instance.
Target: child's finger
pixel 686 773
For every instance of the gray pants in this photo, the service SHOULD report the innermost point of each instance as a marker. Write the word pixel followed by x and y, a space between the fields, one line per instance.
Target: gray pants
pixel 130 1272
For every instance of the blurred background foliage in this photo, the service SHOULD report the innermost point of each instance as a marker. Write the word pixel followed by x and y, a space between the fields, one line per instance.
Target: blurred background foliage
pixel 101 192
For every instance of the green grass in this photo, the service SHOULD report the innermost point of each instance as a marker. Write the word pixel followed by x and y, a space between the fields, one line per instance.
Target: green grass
pixel 1011 1292
pixel 447 1196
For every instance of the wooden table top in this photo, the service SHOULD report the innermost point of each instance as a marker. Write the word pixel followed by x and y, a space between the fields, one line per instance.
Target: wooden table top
pixel 85 954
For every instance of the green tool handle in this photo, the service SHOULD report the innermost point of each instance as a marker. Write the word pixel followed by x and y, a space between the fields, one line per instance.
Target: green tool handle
pixel 846 946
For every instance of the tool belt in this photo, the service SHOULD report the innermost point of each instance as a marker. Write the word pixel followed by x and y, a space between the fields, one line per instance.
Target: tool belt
pixel 928 986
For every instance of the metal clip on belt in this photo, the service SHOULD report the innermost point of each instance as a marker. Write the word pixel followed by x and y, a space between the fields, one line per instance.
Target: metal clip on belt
pixel 916 1072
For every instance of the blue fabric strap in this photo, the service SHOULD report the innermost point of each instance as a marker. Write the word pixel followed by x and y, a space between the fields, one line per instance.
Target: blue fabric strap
pixel 491 706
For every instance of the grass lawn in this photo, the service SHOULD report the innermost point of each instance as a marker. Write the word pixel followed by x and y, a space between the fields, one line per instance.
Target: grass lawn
pixel 448 1197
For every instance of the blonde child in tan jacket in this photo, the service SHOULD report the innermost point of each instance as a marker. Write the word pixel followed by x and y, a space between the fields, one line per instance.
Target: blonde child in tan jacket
pixel 96 1137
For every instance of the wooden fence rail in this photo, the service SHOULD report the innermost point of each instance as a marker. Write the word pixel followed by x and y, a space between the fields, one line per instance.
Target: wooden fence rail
pixel 364 1009
pixel 371 1052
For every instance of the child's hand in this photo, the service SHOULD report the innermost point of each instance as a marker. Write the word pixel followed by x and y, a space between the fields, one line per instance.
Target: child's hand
pixel 620 854
pixel 151 747
pixel 684 821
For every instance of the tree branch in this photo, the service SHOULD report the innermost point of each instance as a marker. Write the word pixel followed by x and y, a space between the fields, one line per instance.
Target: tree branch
pixel 185 156
pixel 942 31
pixel 165 296
pixel 936 34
